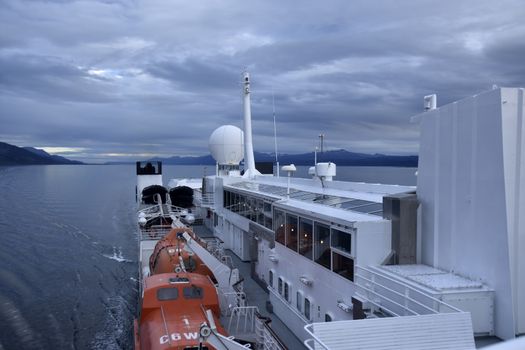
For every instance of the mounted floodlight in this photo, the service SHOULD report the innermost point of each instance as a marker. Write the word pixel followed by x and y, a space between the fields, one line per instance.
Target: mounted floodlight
pixel 344 307
pixel 430 102
pixel 306 281
pixel 289 169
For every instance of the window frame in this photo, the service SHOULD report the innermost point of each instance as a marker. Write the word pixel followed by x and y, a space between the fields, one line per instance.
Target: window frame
pixel 290 232
pixel 346 256
pixel 333 239
pixel 299 301
pixel 328 246
pixel 307 310
pixel 167 293
pixel 301 238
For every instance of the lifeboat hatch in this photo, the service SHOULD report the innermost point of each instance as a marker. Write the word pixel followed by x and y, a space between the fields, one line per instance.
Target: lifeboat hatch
pixel 174 280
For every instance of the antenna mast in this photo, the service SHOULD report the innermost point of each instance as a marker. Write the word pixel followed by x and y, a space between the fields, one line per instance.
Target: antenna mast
pixel 249 162
pixel 321 142
pixel 275 133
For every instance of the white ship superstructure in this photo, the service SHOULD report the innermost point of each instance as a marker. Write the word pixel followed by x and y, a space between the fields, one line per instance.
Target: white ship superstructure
pixel 342 261
pixel 331 251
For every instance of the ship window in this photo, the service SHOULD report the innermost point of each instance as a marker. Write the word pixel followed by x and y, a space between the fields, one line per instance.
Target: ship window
pixel 193 292
pixel 372 207
pixel 305 238
pixel 299 301
pixel 342 240
pixel 307 308
pixel 270 278
pixel 252 209
pixel 268 215
pixel 226 199
pixel 354 204
pixel 259 214
pixel 280 286
pixel 278 221
pixel 291 232
pixel 327 318
pixel 237 203
pixel 322 245
pixel 241 208
pixel 287 292
pixel 344 266
pixel 167 293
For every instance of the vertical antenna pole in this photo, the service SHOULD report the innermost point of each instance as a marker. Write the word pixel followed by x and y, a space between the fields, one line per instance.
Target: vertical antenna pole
pixel 249 162
pixel 275 133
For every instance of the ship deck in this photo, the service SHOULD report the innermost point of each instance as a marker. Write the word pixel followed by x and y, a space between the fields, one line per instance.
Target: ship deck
pixel 257 296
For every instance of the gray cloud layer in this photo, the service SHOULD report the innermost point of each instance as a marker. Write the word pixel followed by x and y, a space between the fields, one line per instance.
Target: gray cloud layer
pixel 126 79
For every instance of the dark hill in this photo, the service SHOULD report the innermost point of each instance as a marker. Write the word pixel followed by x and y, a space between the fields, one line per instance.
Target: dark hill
pixel 13 155
pixel 340 157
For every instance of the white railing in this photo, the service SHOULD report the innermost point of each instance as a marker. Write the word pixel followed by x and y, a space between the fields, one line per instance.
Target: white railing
pixel 288 305
pixel 247 323
pixel 266 337
pixel 242 320
pixel 154 232
pixel 396 297
pixel 205 200
pixel 229 300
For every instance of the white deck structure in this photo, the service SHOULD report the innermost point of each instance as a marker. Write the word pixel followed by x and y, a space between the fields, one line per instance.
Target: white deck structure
pixel 472 192
pixel 339 251
pixel 451 331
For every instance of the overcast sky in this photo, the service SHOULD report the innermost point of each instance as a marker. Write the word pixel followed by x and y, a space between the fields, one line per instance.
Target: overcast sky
pixel 114 80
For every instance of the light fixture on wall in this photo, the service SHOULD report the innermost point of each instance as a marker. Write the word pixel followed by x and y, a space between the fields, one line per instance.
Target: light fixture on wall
pixel 343 306
pixel 306 281
pixel 273 258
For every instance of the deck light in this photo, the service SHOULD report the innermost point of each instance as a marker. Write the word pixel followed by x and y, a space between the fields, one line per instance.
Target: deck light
pixel 289 169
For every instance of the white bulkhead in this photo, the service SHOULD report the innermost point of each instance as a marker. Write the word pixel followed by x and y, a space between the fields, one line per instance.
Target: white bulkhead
pixel 470 185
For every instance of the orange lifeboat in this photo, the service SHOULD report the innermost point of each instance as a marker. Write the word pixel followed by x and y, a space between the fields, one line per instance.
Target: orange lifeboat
pixel 173 309
pixel 170 255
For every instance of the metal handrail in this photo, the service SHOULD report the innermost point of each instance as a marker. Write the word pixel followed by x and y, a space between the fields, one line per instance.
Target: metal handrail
pixel 294 310
pixel 406 308
pixel 314 337
pixel 404 286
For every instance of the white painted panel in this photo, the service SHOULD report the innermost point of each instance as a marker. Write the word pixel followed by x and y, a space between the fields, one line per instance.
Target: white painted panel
pixel 514 162
pixel 451 331
pixel 461 186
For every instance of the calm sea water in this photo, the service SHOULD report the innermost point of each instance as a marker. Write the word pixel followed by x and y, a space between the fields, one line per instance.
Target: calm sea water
pixel 68 251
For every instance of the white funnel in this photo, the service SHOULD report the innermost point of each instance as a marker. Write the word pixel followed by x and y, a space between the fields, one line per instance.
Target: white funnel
pixel 249 162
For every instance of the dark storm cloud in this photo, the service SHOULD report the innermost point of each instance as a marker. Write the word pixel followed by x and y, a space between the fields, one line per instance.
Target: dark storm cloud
pixel 129 79
pixel 42 77
pixel 195 75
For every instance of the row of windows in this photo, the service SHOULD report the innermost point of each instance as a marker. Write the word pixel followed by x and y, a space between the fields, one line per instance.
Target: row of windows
pixel 302 303
pixel 314 240
pixel 254 209
pixel 284 289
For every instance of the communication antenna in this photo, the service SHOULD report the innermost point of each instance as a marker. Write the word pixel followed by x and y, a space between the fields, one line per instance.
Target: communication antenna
pixel 275 133
pixel 321 143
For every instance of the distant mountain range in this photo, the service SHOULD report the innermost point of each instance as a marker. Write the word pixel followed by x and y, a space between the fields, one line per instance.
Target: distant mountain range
pixel 13 155
pixel 340 157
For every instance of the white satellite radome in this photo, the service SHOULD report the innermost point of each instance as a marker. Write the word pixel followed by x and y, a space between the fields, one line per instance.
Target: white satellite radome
pixel 227 145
